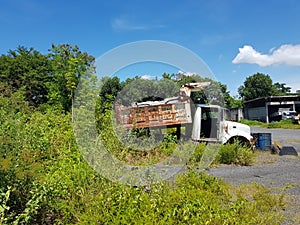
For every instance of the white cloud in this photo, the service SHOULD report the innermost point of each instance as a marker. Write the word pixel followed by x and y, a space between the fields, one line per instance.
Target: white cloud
pixel 285 54
pixel 186 73
pixel 148 77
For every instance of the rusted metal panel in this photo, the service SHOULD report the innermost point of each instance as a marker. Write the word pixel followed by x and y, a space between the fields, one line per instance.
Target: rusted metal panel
pixel 155 115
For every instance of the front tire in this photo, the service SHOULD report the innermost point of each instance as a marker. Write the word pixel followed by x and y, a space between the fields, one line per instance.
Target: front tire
pixel 239 139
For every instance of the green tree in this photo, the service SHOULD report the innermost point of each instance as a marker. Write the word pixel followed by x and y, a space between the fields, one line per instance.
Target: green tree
pixel 255 86
pixel 27 70
pixel 281 89
pixel 234 102
pixel 68 65
pixel 140 90
pixel 168 76
pixel 109 90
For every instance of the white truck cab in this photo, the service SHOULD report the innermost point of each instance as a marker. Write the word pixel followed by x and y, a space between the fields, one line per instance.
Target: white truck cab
pixel 210 125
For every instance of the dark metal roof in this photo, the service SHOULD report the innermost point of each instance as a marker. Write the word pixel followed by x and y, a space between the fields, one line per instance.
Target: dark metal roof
pixel 261 101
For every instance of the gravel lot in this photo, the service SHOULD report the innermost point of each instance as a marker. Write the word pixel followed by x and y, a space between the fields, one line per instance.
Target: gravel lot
pixel 273 171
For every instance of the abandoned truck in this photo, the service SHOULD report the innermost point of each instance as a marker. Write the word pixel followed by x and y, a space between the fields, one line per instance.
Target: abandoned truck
pixel 201 123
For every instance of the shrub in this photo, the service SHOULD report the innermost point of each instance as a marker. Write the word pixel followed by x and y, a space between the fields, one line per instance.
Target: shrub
pixel 194 198
pixel 235 153
pixel 198 153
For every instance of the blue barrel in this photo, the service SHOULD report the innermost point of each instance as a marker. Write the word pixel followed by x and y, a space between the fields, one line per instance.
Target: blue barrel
pixel 263 141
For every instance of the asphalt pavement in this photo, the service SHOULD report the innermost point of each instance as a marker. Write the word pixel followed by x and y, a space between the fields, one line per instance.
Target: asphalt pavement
pixel 275 172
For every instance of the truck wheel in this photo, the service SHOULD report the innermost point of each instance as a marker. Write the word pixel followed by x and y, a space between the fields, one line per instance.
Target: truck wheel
pixel 241 140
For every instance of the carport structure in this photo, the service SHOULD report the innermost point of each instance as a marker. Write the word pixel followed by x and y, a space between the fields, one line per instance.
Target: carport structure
pixel 261 108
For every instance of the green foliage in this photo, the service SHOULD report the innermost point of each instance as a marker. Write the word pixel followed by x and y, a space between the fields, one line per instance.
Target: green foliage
pixel 280 89
pixel 137 89
pixel 27 70
pixel 4 198
pixel 50 78
pixel 30 142
pixel 198 153
pixel 234 102
pixel 284 124
pixel 170 138
pixel 235 153
pixel 140 90
pixel 109 89
pixel 255 86
pixel 216 93
pixel 68 65
pixel 252 122
pixel 194 198
pixel 261 85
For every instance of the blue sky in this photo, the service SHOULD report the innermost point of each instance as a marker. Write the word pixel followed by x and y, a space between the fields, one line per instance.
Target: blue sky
pixel 235 38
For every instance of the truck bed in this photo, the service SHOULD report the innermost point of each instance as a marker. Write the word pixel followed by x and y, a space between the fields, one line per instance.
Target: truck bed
pixel 154 114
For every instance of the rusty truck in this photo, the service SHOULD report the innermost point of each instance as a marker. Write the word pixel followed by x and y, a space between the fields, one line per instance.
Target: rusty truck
pixel 199 122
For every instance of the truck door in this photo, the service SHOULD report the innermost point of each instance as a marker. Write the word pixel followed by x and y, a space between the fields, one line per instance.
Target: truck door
pixel 196 133
pixel 207 123
pixel 223 115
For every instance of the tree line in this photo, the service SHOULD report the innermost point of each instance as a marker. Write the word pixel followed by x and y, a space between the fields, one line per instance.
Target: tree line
pixel 261 85
pixel 45 78
pixel 52 79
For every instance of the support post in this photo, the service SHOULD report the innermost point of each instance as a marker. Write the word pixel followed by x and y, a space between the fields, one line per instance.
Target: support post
pixel 267 111
pixel 178 131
